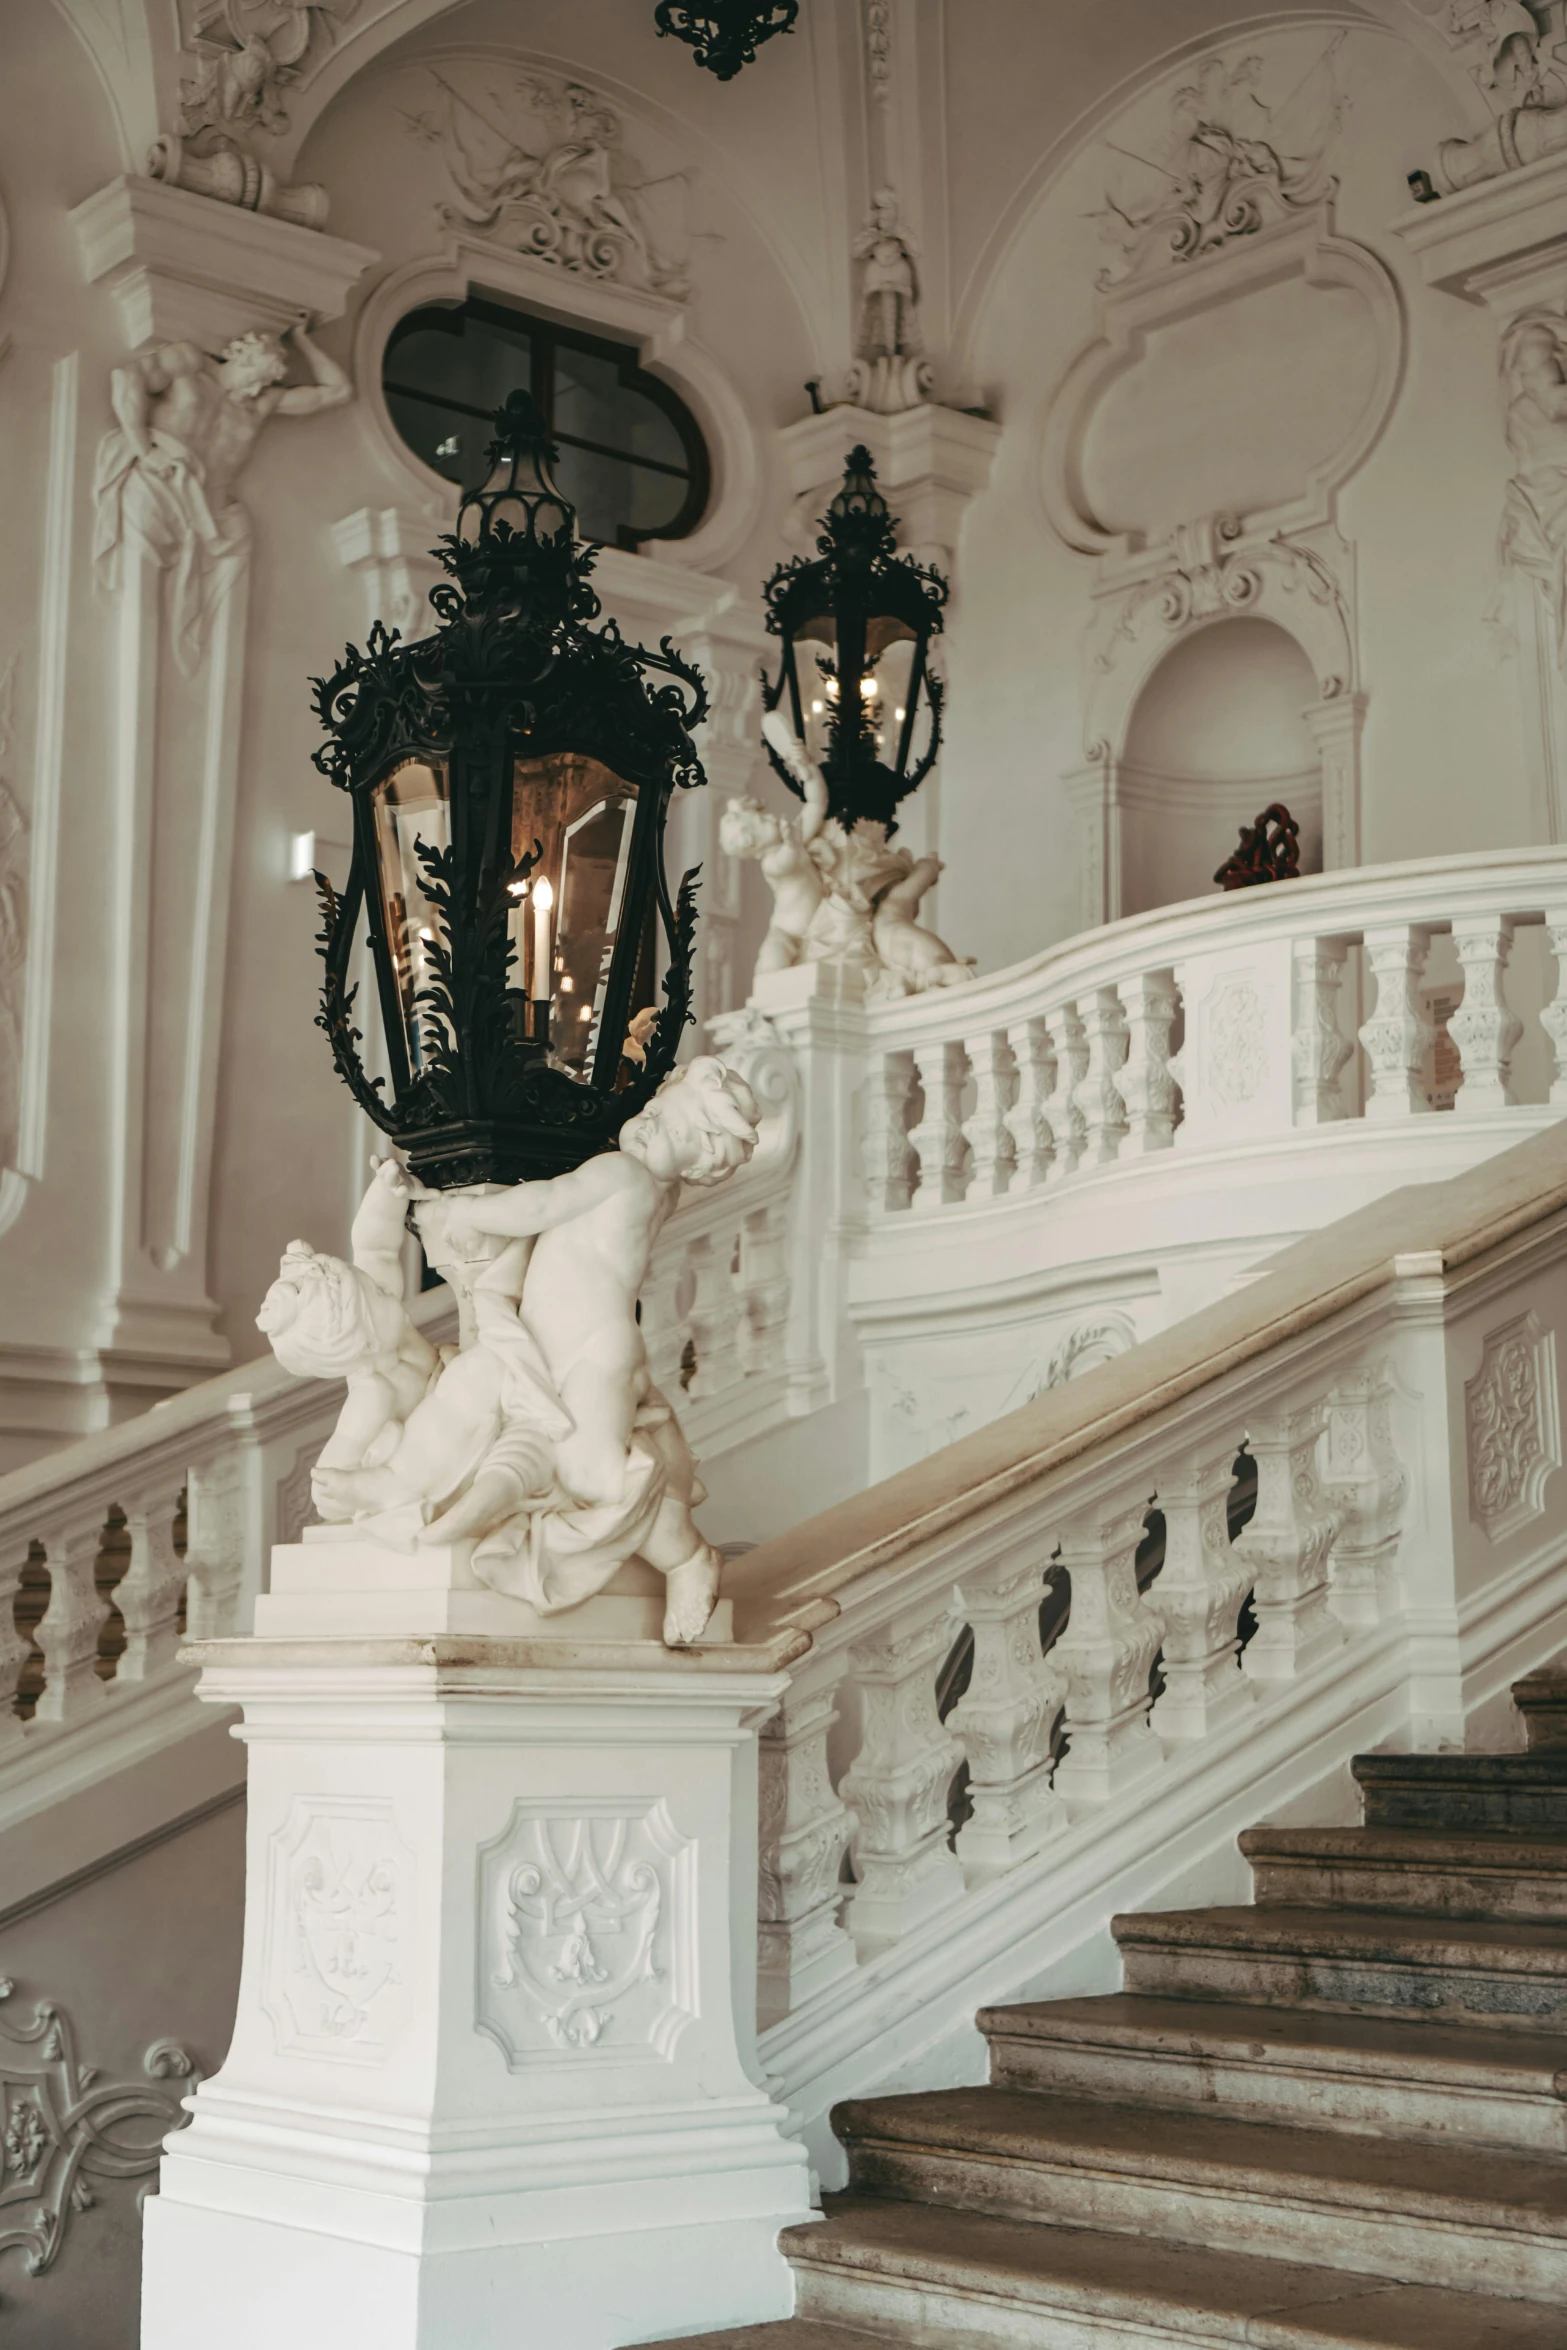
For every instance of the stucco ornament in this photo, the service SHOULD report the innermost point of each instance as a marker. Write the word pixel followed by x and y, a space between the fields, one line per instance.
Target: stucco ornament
pixel 1516 51
pixel 544 169
pixel 243 58
pixel 165 482
pixel 1534 515
pixel 542 1439
pixel 1230 165
pixel 842 897
pixel 890 370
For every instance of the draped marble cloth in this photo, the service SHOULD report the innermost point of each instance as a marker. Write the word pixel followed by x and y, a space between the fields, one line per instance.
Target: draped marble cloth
pixel 166 512
pixel 552 1550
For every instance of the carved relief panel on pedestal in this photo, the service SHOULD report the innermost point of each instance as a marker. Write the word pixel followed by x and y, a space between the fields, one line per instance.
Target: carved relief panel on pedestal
pixel 586 1933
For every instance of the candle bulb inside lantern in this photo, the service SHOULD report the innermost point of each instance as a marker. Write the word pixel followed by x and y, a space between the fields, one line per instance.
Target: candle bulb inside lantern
pixel 543 945
pixel 516 919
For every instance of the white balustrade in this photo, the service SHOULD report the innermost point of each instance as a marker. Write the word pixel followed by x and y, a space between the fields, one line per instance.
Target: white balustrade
pixel 1153 1720
pixel 1004 1721
pixel 1201 1586
pixel 1066 1066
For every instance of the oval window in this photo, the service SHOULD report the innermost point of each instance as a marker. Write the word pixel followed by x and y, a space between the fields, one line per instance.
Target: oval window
pixel 632 460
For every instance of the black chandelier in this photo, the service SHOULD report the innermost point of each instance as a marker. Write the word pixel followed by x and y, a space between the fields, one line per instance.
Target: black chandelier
pixel 510 776
pixel 727 34
pixel 856 626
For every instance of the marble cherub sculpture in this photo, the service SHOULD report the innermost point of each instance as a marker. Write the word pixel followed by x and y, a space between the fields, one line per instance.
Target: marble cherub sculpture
pixel 544 1441
pixel 839 896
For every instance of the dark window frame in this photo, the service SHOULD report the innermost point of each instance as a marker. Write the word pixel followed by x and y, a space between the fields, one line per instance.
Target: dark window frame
pixel 545 338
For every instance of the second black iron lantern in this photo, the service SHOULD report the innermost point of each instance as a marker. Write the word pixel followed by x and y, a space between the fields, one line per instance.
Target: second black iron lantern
pixel 725 34
pixel 510 775
pixel 856 626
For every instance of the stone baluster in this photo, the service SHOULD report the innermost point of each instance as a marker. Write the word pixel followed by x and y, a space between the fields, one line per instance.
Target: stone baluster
pixel 221 1512
pixel 1110 1642
pixel 717 1310
pixel 72 1622
pixel 1484 1028
pixel 887 1159
pixel 937 1140
pixel 1028 1121
pixel 805 1830
pixel 1097 1093
pixel 1068 1127
pixel 1319 1049
pixel 1397 1036
pixel 1004 1719
pixel 764 1287
pixel 897 1786
pixel 1553 1019
pixel 1285 1547
pixel 14 1650
pixel 1365 1485
pixel 665 1327
pixel 1147 1089
pixel 148 1594
pixel 1199 1593
pixel 992 1152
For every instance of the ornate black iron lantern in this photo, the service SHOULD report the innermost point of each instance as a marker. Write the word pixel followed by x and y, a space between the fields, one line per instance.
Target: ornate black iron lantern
pixel 856 626
pixel 728 33
pixel 510 776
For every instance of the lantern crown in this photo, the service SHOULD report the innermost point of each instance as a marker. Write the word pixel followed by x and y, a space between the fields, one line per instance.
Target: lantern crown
pixel 859 697
pixel 510 774
pixel 725 34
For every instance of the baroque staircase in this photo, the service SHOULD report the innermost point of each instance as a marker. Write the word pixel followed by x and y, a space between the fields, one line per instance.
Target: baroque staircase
pixel 1335 2120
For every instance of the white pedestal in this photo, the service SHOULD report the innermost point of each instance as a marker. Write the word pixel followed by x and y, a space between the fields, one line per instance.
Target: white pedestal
pixel 488 2082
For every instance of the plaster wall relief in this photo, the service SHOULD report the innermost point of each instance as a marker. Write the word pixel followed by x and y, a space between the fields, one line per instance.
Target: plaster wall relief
pixel 172 541
pixel 927 1397
pixel 1243 364
pixel 587 1934
pixel 1515 52
pixel 241 60
pixel 1512 1419
pixel 338 1929
pixel 68 2136
pixel 540 165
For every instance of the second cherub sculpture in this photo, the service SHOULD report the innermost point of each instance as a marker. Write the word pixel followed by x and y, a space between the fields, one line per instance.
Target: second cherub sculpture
pixel 542 1438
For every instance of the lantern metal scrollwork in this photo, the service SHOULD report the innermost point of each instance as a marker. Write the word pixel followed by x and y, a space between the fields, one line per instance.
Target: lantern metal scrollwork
pixel 856 626
pixel 725 34
pixel 510 776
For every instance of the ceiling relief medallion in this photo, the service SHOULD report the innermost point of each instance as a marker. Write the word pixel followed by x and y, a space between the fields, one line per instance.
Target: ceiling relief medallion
pixel 540 166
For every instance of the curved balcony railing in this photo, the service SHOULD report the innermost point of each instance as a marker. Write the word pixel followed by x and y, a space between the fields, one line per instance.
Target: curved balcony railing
pixel 1384 995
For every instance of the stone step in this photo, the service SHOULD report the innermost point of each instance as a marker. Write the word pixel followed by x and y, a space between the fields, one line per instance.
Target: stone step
pixel 809 2333
pixel 1499 1973
pixel 1542 1700
pixel 908 2274
pixel 1440 1872
pixel 1423 2214
pixel 1464 1790
pixel 1370 2074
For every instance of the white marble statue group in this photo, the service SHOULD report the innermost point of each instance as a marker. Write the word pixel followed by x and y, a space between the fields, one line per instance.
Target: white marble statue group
pixel 541 1439
pixel 845 897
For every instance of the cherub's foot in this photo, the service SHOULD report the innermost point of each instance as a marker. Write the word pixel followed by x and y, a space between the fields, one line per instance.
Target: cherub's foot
pixel 690 1595
pixel 335 1494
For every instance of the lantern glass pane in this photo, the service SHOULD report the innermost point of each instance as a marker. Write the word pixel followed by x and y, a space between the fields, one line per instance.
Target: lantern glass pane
pixel 411 808
pixel 890 678
pixel 569 913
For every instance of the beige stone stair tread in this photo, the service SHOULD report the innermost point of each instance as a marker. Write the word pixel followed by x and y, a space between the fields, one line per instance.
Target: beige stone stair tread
pixel 1183 2289
pixel 1264 2161
pixel 1516 1945
pixel 1509 1850
pixel 813 2333
pixel 1391 2044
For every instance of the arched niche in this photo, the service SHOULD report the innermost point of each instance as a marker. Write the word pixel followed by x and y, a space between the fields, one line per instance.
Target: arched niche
pixel 1218 731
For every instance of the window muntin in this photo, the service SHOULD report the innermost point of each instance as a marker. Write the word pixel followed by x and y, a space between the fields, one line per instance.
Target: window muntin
pixel 632 460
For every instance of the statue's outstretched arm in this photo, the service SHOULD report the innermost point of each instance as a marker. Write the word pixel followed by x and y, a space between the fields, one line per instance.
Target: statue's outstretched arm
pixel 376 1236
pixel 528 1208
pixel 777 731
pixel 330 389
